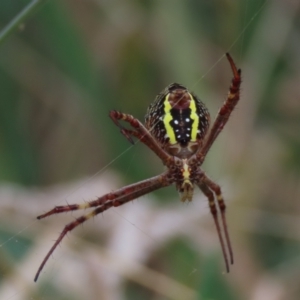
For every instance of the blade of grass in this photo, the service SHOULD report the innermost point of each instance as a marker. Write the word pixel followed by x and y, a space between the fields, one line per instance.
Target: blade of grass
pixel 20 18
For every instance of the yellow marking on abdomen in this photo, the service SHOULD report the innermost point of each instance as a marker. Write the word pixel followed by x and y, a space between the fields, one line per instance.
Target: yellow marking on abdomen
pixel 195 118
pixel 167 119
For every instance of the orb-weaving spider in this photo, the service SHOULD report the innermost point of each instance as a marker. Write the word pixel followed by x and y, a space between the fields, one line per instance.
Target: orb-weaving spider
pixel 176 126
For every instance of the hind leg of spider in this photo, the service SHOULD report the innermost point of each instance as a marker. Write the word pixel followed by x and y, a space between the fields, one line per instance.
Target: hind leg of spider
pixel 70 227
pixel 118 198
pixel 221 204
pixel 132 188
pixel 211 200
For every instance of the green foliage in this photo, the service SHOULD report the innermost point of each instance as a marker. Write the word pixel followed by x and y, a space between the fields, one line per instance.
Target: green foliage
pixel 213 284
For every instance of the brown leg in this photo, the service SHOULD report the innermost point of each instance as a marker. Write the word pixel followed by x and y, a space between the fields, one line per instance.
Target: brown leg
pixel 116 199
pixel 141 133
pixel 122 192
pixel 225 111
pixel 209 194
pixel 221 204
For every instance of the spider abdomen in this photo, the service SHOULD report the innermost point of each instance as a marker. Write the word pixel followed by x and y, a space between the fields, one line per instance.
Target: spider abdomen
pixel 178 120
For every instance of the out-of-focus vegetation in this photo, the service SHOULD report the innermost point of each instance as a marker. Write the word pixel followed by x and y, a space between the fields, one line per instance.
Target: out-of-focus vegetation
pixel 70 63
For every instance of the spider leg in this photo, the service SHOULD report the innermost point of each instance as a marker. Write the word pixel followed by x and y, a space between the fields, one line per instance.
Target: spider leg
pixel 116 116
pixel 124 191
pixel 141 133
pixel 221 204
pixel 213 209
pixel 116 199
pixel 225 111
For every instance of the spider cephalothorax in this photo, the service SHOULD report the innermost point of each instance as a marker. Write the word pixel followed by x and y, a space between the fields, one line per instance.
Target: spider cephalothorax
pixel 176 127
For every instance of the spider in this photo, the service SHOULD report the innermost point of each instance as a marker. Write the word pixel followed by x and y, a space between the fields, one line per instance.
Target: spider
pixel 176 127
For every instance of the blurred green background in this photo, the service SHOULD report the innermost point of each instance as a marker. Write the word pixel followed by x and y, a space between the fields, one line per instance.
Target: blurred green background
pixel 66 66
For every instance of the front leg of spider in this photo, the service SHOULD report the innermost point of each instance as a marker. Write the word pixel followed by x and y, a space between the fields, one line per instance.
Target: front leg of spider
pixel 176 130
pixel 123 130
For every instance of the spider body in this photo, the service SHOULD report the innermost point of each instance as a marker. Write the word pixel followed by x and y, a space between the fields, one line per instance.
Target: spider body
pixel 178 120
pixel 176 130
